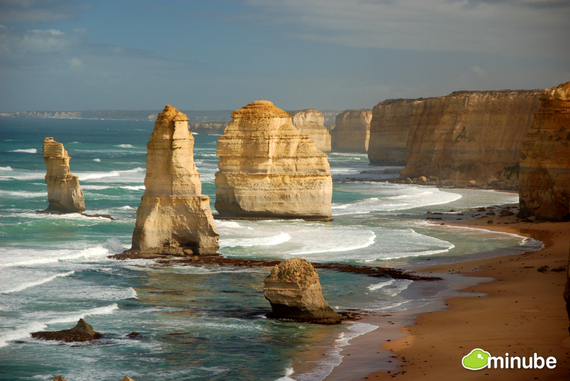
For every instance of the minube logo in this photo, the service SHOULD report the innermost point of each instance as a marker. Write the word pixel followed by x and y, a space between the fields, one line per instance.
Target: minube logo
pixel 479 359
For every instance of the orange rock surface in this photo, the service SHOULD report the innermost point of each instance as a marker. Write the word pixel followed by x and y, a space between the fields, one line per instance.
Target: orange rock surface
pixel 545 161
pixel 352 131
pixel 311 122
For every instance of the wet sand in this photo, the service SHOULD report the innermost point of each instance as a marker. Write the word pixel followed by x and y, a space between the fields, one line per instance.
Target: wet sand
pixel 520 311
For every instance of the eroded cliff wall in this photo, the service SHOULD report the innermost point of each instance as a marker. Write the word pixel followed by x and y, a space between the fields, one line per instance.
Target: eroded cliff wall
pixel 269 169
pixel 467 135
pixel 545 162
pixel 311 122
pixel 352 131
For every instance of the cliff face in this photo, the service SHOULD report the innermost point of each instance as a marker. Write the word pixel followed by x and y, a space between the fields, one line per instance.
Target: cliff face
pixel 389 132
pixel 311 122
pixel 173 216
pixel 352 131
pixel 64 193
pixel 545 161
pixel 294 291
pixel 468 135
pixel 269 169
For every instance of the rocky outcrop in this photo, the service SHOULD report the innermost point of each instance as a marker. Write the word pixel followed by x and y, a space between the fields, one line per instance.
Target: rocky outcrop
pixel 311 122
pixel 294 291
pixel 210 128
pixel 64 192
pixel 173 218
pixel 467 135
pixel 269 169
pixel 352 131
pixel 81 332
pixel 566 294
pixel 545 162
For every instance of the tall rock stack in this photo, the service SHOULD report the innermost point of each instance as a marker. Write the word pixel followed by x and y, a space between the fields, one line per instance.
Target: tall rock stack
pixel 173 218
pixel 545 161
pixel 269 169
pixel 311 122
pixel 64 193
pixel 352 131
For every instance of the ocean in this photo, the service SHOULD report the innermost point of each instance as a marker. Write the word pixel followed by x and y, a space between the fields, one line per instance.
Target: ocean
pixel 200 323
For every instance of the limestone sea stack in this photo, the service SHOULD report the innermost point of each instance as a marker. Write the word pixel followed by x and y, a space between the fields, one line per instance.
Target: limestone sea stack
pixel 311 122
pixel 466 135
pixel 294 291
pixel 545 161
pixel 173 218
pixel 269 169
pixel 352 131
pixel 81 332
pixel 64 192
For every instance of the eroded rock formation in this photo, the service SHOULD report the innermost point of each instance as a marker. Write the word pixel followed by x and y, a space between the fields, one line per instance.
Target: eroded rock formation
pixel 173 218
pixel 352 131
pixel 64 192
pixel 294 291
pixel 467 135
pixel 81 332
pixel 311 122
pixel 269 169
pixel 545 162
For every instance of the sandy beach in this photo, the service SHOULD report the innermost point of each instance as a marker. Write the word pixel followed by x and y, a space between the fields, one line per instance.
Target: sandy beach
pixel 520 311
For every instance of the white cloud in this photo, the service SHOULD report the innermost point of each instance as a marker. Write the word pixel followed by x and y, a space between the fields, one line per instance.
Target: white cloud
pixel 37 11
pixel 480 72
pixel 496 27
pixel 75 62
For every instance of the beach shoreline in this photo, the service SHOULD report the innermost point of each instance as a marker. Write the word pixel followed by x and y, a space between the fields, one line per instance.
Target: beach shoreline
pixel 511 307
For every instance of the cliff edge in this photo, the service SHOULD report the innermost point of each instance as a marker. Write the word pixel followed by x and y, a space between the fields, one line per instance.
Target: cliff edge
pixel 352 131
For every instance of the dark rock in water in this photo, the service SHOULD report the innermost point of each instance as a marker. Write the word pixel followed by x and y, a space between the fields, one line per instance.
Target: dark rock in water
pixel 294 291
pixel 133 335
pixel 127 379
pixel 81 332
pixel 59 378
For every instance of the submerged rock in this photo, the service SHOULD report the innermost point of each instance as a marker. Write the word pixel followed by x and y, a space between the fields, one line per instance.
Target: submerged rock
pixel 173 218
pixel 294 291
pixel 545 161
pixel 269 169
pixel 81 332
pixel 64 193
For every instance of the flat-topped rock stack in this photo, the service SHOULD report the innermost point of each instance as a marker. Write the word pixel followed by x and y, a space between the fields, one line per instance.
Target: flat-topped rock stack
pixel 352 131
pixel 64 192
pixel 269 169
pixel 311 122
pixel 545 161
pixel 173 218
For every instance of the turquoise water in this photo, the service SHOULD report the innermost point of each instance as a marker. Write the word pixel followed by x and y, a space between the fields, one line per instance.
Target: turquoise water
pixel 196 323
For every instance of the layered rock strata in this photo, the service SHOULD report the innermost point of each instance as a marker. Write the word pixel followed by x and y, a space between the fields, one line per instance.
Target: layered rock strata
pixel 269 169
pixel 352 131
pixel 545 162
pixel 173 218
pixel 294 291
pixel 467 135
pixel 311 122
pixel 64 192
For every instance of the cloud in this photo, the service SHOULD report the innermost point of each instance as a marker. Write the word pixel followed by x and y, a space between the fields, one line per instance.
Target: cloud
pixel 38 11
pixel 480 72
pixel 486 26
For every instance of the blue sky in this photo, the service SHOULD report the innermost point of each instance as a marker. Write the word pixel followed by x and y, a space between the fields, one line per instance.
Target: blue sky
pixel 222 54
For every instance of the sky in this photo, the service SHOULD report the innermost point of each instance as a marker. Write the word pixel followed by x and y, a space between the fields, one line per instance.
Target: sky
pixel 65 55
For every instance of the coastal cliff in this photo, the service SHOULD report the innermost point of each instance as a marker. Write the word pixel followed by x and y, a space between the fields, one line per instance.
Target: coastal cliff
pixel 311 122
pixel 545 162
pixel 173 218
pixel 389 131
pixel 269 169
pixel 211 128
pixel 465 136
pixel 64 192
pixel 352 131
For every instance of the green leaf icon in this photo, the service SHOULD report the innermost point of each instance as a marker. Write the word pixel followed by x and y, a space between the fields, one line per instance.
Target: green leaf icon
pixel 476 359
